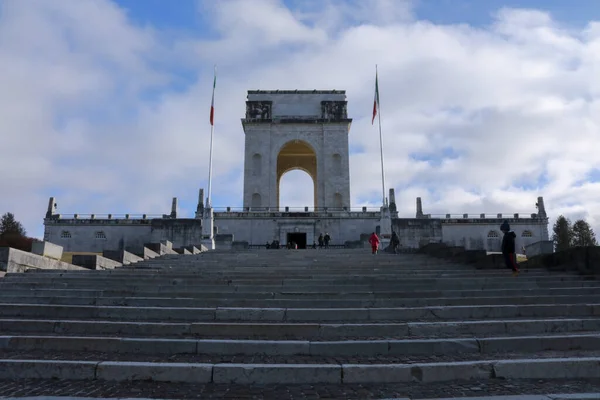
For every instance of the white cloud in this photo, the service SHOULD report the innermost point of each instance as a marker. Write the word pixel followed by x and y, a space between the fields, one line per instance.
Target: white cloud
pixel 88 112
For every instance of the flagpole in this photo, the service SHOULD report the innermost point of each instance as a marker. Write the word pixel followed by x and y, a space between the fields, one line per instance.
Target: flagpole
pixel 212 131
pixel 208 201
pixel 380 141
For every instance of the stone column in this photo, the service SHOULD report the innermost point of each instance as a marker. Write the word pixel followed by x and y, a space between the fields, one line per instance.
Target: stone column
pixel 51 206
pixel 543 218
pixel 200 207
pixel 393 208
pixel 385 228
pixel 174 208
pixel 419 208
pixel 208 223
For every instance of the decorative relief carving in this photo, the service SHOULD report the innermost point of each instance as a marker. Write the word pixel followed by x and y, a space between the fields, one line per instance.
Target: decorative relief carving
pixel 260 110
pixel 335 110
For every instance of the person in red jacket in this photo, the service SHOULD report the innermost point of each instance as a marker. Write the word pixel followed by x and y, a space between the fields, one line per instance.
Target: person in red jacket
pixel 374 240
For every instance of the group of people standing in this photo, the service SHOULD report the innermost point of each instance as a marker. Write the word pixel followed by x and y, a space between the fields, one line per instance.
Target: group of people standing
pixel 324 240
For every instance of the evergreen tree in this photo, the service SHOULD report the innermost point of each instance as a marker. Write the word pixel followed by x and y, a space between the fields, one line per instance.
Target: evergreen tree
pixel 10 226
pixel 583 234
pixel 563 234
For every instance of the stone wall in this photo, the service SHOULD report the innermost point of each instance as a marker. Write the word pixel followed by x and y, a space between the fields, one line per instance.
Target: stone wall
pixel 541 247
pixel 181 232
pixel 97 235
pixel 260 228
pixel 585 260
pixel 415 232
pixel 485 234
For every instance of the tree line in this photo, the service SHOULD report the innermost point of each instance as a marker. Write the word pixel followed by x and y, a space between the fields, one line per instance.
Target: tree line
pixel 13 234
pixel 566 235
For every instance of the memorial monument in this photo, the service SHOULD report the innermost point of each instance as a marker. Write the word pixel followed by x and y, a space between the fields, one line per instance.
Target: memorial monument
pixel 287 130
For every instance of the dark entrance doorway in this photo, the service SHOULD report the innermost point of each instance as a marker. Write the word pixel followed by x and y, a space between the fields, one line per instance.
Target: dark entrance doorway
pixel 299 238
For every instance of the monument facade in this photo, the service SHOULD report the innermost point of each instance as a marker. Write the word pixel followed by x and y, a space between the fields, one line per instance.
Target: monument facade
pixel 287 130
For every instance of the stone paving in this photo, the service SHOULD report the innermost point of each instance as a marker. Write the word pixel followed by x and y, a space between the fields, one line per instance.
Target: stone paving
pixel 156 390
pixel 298 324
pixel 295 359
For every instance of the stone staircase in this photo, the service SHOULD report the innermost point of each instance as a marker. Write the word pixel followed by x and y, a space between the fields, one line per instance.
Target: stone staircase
pixel 298 317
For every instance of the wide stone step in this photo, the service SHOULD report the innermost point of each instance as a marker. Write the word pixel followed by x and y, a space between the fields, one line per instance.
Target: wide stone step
pixel 320 359
pixel 515 283
pixel 287 294
pixel 309 331
pixel 298 314
pixel 384 283
pixel 285 373
pixel 414 277
pixel 294 303
pixel 274 274
pixel 344 348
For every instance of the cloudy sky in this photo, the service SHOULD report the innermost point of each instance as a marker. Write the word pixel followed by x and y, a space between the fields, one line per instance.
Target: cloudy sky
pixel 485 104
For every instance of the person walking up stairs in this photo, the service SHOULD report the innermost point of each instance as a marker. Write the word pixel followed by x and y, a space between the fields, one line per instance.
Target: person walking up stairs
pixel 508 248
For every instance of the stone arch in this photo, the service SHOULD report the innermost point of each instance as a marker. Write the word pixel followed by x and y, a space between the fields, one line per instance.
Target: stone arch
pixel 336 164
pixel 297 154
pixel 257 165
pixel 256 200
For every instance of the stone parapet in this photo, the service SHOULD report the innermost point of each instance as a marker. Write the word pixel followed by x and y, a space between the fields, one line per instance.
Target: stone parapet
pixel 487 220
pixel 585 260
pixel 94 262
pixel 47 249
pixel 13 260
pixel 142 251
pixel 59 220
pixel 541 247
pixel 272 214
pixel 122 256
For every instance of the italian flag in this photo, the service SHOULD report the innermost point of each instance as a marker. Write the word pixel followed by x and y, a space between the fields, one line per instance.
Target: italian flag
pixel 212 103
pixel 376 101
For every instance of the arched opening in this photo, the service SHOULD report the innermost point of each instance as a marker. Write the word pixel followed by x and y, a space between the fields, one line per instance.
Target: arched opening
pixel 256 201
pixel 297 155
pixel 296 190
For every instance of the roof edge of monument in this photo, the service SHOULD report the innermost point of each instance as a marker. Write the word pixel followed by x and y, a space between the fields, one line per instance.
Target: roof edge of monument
pixel 296 91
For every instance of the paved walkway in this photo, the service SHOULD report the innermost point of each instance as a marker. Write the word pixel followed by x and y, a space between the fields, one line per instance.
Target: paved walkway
pixel 156 390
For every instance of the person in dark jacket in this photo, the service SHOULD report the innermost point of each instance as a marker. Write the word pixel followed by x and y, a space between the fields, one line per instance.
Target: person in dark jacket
pixel 395 241
pixel 508 248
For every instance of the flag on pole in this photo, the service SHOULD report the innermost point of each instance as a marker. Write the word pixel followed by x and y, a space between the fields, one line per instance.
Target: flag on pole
pixel 376 101
pixel 212 103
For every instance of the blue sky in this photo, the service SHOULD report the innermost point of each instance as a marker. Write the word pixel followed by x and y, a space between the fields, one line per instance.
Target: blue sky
pixel 486 104
pixel 184 16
